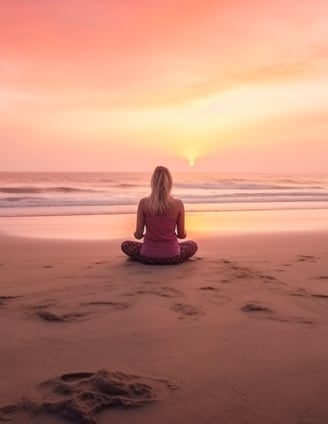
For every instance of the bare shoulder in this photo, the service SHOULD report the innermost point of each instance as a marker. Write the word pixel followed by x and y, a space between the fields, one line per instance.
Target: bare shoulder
pixel 143 202
pixel 178 204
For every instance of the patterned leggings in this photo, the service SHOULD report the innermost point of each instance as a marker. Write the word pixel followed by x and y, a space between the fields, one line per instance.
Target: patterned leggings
pixel 132 249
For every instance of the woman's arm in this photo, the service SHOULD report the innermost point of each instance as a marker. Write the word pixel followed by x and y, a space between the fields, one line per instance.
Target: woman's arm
pixel 140 224
pixel 181 231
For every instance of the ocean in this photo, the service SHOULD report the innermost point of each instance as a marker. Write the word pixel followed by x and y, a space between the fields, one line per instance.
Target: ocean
pixel 103 193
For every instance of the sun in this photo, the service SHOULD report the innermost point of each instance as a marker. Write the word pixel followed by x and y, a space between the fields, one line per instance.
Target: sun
pixel 191 162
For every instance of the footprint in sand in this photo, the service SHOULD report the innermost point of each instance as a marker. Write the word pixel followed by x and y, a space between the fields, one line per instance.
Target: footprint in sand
pixel 213 294
pixel 79 397
pixel 266 278
pixel 5 299
pixel 52 317
pixel 299 293
pixel 259 311
pixel 306 258
pixel 236 272
pixel 159 291
pixel 186 310
pixel 256 310
pixel 208 288
pixel 253 307
pixel 42 312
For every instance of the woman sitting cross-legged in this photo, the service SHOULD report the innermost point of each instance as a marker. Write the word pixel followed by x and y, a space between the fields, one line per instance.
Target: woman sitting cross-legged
pixel 160 221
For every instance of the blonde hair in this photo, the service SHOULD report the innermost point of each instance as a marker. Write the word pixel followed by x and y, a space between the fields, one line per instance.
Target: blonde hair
pixel 161 185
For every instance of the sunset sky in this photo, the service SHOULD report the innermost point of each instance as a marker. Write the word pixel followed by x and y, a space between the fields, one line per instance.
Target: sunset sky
pixel 109 85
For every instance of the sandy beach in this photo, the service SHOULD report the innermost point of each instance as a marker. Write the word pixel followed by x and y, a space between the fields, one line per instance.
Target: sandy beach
pixel 238 334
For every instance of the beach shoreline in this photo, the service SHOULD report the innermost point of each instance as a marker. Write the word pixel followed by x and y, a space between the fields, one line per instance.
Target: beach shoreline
pixel 236 333
pixel 198 224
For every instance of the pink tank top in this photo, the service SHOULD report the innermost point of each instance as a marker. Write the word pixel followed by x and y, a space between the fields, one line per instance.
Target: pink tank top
pixel 160 240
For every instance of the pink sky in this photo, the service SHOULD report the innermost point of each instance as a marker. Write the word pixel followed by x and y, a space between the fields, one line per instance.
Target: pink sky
pixel 107 85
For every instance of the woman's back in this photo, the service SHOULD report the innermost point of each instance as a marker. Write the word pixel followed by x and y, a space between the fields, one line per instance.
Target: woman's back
pixel 160 239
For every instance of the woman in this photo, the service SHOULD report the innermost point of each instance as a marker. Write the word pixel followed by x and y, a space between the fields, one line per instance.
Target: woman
pixel 160 221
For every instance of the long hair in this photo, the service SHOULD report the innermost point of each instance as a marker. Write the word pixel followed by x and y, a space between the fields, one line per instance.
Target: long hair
pixel 161 185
